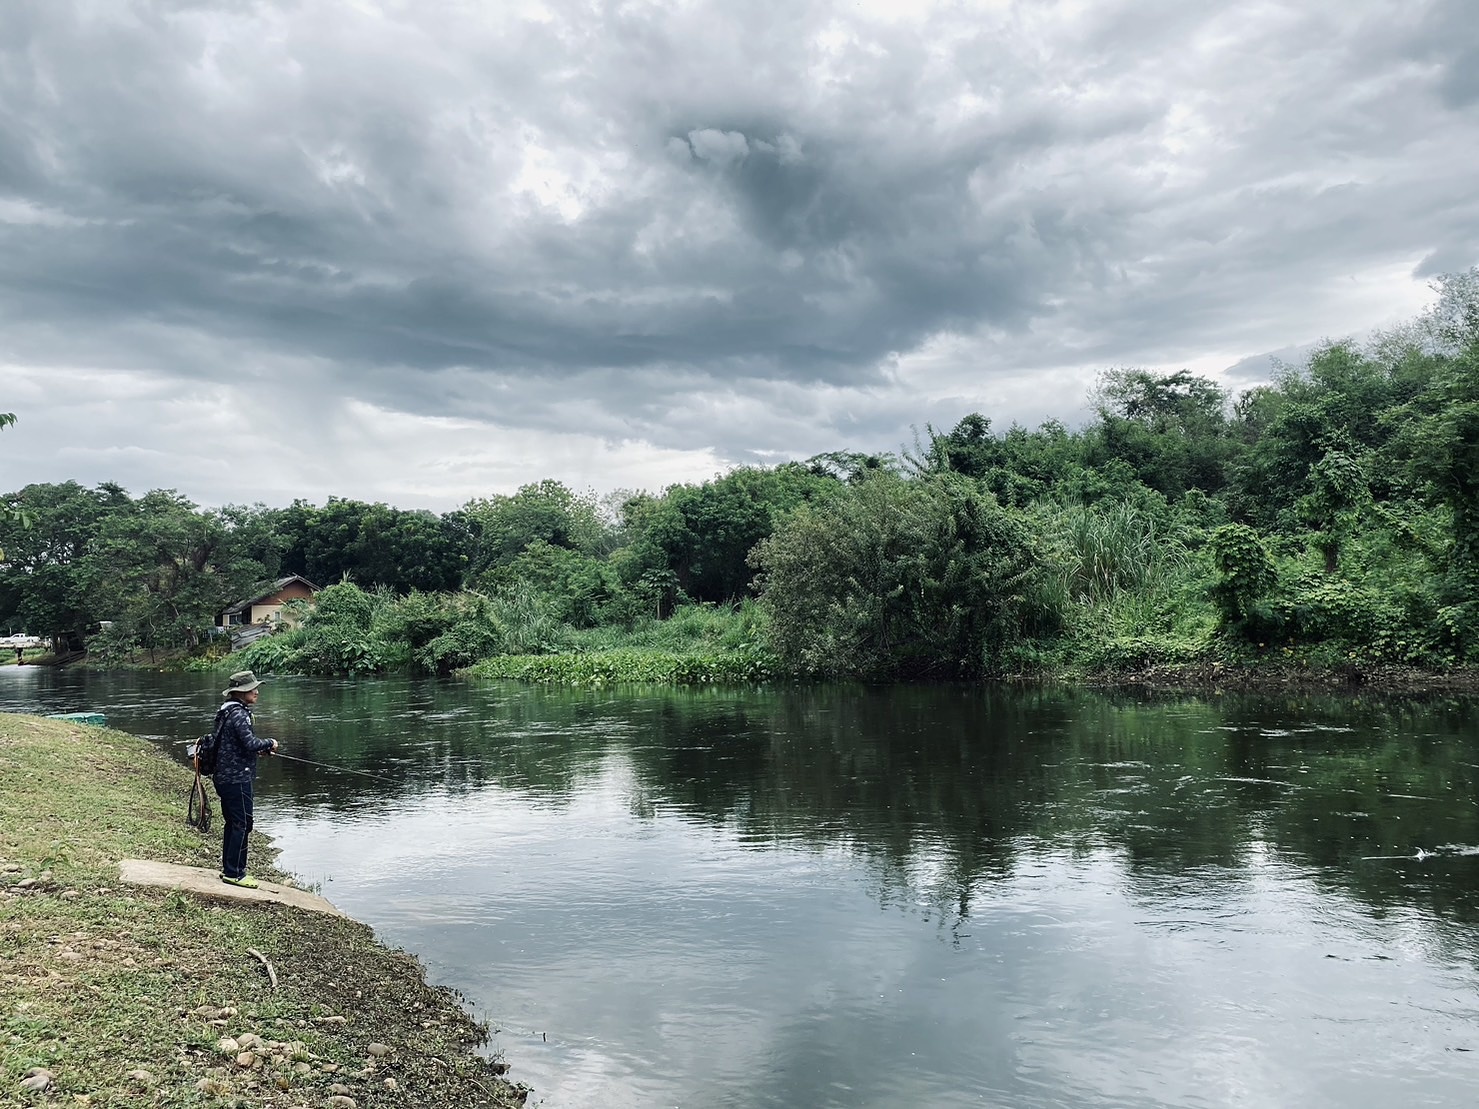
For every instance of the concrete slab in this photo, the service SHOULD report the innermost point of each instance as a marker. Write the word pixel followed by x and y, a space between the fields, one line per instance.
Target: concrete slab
pixel 207 883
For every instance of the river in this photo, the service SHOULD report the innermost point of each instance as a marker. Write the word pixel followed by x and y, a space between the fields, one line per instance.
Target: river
pixel 938 896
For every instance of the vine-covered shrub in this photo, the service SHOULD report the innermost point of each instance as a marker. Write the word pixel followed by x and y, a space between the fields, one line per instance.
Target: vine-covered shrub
pixel 1245 573
pixel 1366 623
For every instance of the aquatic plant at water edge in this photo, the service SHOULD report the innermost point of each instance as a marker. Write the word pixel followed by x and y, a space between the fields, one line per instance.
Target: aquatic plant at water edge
pixel 612 667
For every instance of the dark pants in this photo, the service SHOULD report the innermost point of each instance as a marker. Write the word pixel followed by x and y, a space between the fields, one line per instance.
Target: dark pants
pixel 236 815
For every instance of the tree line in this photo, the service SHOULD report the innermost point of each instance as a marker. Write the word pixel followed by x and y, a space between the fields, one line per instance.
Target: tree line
pixel 1329 517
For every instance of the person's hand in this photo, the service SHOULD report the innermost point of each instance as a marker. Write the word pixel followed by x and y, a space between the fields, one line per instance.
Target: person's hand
pixel 273 749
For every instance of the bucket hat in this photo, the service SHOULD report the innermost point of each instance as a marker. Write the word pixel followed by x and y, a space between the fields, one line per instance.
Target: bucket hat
pixel 243 681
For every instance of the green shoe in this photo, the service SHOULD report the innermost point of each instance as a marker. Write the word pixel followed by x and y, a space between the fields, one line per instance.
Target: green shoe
pixel 246 881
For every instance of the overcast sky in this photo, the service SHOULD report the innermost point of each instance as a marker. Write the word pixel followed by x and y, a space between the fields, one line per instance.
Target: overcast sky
pixel 423 250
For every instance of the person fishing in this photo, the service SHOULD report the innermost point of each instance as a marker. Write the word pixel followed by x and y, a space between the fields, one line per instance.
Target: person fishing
pixel 237 748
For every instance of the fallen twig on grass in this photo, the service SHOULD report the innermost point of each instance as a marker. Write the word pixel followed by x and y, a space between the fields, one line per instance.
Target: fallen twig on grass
pixel 271 974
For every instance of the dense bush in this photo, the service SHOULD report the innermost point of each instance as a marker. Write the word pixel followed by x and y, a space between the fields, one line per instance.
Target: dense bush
pixel 897 579
pixel 351 631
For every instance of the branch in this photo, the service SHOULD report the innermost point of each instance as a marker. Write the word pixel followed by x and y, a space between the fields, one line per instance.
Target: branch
pixel 271 974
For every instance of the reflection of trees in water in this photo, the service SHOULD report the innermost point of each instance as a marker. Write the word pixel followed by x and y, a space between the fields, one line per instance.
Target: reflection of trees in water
pixel 943 788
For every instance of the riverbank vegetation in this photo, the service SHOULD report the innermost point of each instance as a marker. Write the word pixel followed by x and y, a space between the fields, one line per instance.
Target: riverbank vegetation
pixel 1325 521
pixel 122 996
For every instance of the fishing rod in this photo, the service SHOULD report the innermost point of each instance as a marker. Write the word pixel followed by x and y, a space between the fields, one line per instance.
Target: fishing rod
pixel 329 766
pixel 322 765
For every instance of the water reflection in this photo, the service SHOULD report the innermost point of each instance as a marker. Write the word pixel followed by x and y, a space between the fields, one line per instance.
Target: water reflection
pixel 945 895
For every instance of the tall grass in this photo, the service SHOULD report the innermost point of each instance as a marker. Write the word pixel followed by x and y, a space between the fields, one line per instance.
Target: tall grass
pixel 1131 593
pixel 1104 549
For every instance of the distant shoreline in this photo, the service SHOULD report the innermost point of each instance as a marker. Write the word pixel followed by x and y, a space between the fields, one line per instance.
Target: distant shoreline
pixel 1272 679
pixel 644 667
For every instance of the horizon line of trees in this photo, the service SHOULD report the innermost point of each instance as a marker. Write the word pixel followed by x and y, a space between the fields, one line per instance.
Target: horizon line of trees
pixel 1337 505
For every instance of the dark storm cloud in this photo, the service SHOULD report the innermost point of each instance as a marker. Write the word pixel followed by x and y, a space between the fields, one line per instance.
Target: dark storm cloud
pixel 743 226
pixel 211 210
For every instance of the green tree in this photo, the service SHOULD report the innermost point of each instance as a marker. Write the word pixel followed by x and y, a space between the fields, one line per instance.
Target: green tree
pixel 1170 428
pixel 1436 442
pixel 403 550
pixel 373 544
pixel 851 466
pixel 320 542
pixel 1338 492
pixel 254 534
pixel 703 534
pixel 1336 402
pixel 164 569
pixel 44 585
pixel 1018 467
pixel 545 511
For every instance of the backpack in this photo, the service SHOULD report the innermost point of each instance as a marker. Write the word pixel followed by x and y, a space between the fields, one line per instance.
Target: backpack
pixel 206 750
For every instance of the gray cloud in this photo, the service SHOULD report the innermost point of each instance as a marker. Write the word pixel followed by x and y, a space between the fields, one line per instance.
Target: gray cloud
pixel 740 231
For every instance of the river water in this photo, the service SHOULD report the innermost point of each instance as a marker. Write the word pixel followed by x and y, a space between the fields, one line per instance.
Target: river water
pixel 853 897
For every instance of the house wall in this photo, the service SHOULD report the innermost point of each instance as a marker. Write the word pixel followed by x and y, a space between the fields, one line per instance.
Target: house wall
pixel 269 608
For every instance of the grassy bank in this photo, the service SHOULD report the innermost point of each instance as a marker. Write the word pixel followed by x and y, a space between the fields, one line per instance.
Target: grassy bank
pixel 128 996
pixel 31 655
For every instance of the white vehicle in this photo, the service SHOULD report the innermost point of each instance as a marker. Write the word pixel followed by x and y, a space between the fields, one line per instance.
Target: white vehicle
pixel 19 639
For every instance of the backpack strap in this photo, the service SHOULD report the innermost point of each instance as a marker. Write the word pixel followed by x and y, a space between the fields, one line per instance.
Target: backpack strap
pixel 222 714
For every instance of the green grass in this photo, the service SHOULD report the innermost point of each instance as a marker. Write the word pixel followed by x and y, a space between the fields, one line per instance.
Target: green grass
pixel 31 655
pixel 691 629
pixel 124 992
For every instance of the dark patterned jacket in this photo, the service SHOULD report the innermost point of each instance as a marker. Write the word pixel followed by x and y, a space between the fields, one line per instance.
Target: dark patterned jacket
pixel 239 745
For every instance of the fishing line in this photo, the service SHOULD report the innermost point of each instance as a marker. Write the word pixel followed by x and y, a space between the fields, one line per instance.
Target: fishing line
pixel 328 766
